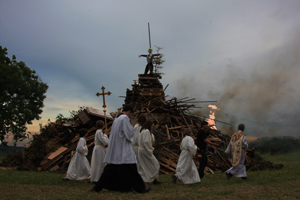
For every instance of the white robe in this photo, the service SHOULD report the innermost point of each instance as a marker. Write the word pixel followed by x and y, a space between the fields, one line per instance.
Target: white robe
pixel 240 169
pixel 136 130
pixel 186 170
pixel 148 164
pixel 97 165
pixel 79 167
pixel 119 149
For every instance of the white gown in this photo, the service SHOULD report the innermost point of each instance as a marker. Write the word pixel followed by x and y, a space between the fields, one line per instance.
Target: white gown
pixel 136 130
pixel 148 164
pixel 79 167
pixel 186 170
pixel 240 169
pixel 119 150
pixel 97 165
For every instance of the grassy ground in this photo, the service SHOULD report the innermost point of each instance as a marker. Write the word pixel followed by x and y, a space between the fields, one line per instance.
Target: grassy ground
pixel 269 184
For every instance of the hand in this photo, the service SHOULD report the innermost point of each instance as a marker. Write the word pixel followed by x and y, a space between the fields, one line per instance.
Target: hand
pixel 216 144
pixel 106 132
pixel 140 56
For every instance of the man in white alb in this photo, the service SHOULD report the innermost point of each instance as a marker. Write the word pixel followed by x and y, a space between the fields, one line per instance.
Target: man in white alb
pixel 120 173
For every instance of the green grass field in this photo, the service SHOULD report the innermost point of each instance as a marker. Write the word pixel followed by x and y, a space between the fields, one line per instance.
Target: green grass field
pixel 268 184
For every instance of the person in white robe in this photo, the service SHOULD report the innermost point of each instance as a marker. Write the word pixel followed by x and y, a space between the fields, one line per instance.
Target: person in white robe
pixel 148 164
pixel 137 130
pixel 79 167
pixel 120 173
pixel 101 141
pixel 186 170
pixel 237 145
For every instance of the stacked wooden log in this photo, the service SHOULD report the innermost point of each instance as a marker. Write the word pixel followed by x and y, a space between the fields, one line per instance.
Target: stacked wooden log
pixel 171 116
pixel 53 148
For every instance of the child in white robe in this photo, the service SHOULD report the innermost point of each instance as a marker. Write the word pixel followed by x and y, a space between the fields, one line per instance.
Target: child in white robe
pixel 148 164
pixel 137 130
pixel 186 170
pixel 79 167
pixel 101 141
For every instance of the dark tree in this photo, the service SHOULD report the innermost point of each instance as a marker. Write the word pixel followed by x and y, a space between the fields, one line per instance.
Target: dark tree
pixel 158 61
pixel 22 94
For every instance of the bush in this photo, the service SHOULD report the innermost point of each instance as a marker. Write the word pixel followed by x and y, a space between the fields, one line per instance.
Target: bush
pixel 276 145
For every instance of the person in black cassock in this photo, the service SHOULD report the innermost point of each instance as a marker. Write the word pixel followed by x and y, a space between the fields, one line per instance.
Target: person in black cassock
pixel 120 173
pixel 201 142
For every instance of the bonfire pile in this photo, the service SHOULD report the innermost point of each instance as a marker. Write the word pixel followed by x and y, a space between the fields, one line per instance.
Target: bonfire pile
pixel 54 147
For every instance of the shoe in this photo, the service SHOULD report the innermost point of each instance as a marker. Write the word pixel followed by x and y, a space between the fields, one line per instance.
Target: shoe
pixel 65 179
pixel 245 178
pixel 93 190
pixel 174 178
pixel 146 190
pixel 203 177
pixel 228 175
pixel 156 182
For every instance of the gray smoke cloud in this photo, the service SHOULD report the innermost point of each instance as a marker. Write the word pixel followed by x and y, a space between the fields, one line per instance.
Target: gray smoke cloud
pixel 264 93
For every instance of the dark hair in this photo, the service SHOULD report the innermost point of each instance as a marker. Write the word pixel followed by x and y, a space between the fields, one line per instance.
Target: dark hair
pixel 241 127
pixel 187 131
pixel 147 125
pixel 203 123
pixel 82 132
pixel 99 124
pixel 128 108
pixel 142 119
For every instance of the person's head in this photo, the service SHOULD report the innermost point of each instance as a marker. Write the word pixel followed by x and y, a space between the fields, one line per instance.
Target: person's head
pixel 99 124
pixel 150 50
pixel 187 131
pixel 147 125
pixel 82 132
pixel 241 127
pixel 204 124
pixel 142 119
pixel 128 110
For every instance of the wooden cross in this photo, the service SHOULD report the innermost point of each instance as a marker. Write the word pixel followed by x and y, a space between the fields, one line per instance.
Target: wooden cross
pixel 104 106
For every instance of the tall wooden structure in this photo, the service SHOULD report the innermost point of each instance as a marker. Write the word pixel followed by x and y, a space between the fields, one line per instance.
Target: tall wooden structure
pixel 146 88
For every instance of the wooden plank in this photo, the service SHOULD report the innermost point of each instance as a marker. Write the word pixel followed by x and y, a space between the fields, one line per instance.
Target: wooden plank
pixel 56 167
pixel 175 127
pixel 98 113
pixel 168 132
pixel 57 152
pixel 83 116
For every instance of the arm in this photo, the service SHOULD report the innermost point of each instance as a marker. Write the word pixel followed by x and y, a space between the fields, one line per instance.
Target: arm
pixel 228 150
pixel 103 138
pixel 148 142
pixel 142 56
pixel 127 129
pixel 212 143
pixel 81 147
pixel 245 143
pixel 192 147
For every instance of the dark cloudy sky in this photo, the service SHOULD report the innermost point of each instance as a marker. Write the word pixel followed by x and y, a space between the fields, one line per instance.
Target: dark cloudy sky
pixel 243 54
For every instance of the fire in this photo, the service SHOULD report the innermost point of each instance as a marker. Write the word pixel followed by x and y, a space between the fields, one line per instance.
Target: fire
pixel 211 120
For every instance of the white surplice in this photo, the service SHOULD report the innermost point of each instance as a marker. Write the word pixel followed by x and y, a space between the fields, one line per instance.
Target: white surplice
pixel 186 170
pixel 97 165
pixel 79 167
pixel 148 164
pixel 119 149
pixel 240 169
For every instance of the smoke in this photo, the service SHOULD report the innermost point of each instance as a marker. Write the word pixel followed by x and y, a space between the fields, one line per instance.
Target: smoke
pixel 263 93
